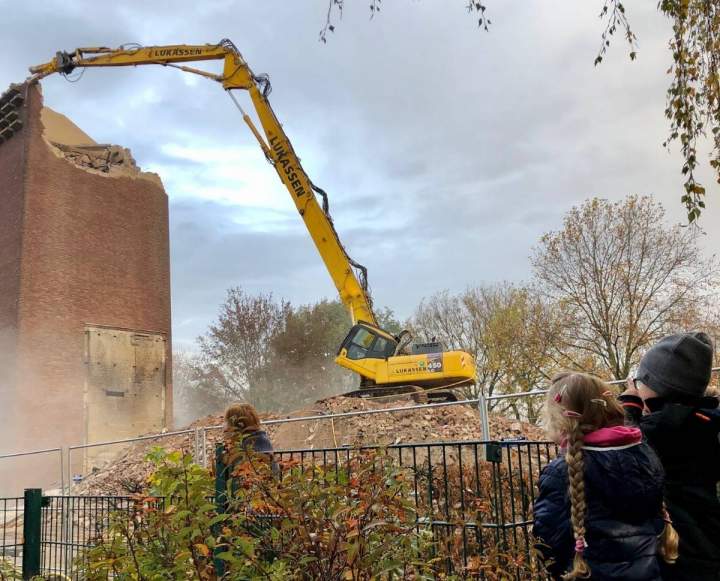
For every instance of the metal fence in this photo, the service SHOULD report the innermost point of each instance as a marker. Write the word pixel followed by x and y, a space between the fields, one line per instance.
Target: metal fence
pixel 75 461
pixel 11 533
pixel 22 469
pixel 70 459
pixel 473 496
pixel 72 524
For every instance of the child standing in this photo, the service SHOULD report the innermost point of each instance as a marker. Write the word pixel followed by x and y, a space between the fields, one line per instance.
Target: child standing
pixel 243 437
pixel 599 513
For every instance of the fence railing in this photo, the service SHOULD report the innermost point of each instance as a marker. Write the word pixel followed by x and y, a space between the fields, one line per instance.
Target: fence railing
pixel 71 450
pixel 18 463
pixel 72 524
pixel 68 457
pixel 472 496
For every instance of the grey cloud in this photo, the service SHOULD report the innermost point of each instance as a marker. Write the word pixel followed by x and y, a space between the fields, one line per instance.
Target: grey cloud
pixel 447 151
pixel 210 253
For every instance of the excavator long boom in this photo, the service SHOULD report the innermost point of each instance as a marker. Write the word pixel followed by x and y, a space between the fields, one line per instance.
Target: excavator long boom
pixel 351 286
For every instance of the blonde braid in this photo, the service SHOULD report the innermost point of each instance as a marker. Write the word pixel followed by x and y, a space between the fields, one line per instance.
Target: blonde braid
pixel 578 506
pixel 669 539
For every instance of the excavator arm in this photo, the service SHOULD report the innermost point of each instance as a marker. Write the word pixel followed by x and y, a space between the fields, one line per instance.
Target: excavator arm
pixel 376 355
pixel 351 286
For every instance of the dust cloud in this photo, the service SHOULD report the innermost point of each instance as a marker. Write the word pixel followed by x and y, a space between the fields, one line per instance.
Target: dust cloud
pixel 8 439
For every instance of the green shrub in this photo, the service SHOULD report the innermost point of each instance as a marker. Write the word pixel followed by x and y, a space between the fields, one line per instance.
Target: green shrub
pixel 8 571
pixel 355 521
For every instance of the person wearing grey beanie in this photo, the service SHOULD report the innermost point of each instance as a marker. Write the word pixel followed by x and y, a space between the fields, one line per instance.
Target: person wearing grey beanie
pixel 678 367
pixel 666 399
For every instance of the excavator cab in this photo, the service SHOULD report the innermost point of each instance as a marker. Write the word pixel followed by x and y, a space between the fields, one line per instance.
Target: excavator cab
pixel 387 368
pixel 367 341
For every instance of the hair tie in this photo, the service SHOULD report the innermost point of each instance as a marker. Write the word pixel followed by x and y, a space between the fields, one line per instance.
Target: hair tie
pixel 666 517
pixel 599 401
pixel 571 414
pixel 607 393
pixel 580 545
pixel 560 394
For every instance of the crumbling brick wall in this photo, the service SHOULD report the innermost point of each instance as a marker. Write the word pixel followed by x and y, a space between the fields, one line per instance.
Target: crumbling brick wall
pixel 12 156
pixel 79 248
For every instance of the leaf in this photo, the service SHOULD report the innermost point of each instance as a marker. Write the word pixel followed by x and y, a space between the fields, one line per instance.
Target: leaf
pixel 202 549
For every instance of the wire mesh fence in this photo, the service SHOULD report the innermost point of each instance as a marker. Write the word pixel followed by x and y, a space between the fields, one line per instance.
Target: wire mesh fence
pixel 474 497
pixel 72 524
pixel 11 533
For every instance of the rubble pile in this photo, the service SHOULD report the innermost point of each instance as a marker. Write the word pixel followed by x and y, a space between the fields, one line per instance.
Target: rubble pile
pixel 109 159
pixel 66 140
pixel 129 471
pixel 431 424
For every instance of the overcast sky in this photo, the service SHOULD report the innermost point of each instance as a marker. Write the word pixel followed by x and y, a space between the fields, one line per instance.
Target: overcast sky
pixel 447 151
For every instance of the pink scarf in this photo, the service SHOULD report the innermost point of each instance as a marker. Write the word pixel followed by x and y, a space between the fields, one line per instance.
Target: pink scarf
pixel 610 437
pixel 615 436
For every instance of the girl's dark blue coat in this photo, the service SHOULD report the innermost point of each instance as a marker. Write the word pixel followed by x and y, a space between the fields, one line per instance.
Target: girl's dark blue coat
pixel 624 495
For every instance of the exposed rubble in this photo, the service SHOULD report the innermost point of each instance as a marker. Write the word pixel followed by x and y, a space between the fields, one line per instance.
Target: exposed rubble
pixel 70 142
pixel 104 158
pixel 129 472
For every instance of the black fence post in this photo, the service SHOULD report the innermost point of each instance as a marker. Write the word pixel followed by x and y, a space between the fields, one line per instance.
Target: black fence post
pixel 31 533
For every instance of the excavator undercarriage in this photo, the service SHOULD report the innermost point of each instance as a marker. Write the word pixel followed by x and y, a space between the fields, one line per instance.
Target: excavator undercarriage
pixel 418 394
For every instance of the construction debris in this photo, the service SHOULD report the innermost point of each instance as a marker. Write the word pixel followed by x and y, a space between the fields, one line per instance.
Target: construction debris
pixel 103 158
pixel 70 142
pixel 129 472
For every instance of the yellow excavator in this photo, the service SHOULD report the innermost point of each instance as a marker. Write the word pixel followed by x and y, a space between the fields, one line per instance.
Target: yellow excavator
pixel 387 364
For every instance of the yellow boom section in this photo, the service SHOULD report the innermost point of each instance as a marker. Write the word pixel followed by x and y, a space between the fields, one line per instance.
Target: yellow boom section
pixel 276 145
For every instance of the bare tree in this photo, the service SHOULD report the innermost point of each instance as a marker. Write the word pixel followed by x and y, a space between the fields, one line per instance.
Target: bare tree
pixel 193 398
pixel 511 332
pixel 235 351
pixel 271 354
pixel 623 277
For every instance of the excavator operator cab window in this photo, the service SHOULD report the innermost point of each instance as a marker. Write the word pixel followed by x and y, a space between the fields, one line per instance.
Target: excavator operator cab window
pixel 363 343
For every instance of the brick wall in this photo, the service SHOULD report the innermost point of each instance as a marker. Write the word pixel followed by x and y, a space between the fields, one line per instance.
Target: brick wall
pixel 94 251
pixel 12 155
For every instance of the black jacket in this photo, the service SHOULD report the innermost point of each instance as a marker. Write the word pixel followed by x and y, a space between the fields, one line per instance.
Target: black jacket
pixel 260 442
pixel 623 492
pixel 685 438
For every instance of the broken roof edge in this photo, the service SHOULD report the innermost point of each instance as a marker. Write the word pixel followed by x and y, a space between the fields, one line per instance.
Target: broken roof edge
pixel 65 139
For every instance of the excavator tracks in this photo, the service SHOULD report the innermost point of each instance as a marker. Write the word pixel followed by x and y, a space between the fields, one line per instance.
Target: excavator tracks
pixel 418 394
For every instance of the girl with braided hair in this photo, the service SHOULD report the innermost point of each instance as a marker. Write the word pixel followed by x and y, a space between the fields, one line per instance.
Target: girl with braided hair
pixel 599 514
